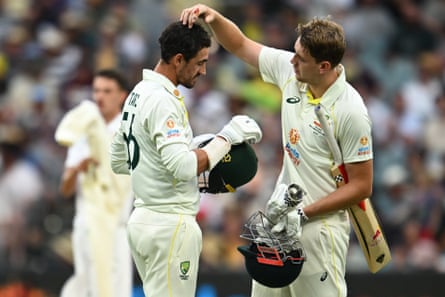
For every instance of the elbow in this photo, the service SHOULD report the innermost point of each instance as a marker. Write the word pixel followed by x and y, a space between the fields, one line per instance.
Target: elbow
pixel 183 166
pixel 365 191
pixel 185 173
pixel 119 167
pixel 66 191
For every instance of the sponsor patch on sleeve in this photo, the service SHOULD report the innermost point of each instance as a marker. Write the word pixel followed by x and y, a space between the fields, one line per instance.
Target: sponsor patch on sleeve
pixel 172 130
pixel 364 148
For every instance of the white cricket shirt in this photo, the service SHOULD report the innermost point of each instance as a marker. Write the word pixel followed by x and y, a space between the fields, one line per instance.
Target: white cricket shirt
pixel 307 158
pixel 79 151
pixel 154 118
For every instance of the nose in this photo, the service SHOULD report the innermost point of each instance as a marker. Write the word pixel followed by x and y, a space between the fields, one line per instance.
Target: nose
pixel 203 70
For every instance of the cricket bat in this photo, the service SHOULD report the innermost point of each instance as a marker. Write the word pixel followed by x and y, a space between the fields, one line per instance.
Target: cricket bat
pixel 364 220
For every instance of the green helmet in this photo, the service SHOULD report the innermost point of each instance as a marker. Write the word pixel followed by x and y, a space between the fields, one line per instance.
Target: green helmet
pixel 235 169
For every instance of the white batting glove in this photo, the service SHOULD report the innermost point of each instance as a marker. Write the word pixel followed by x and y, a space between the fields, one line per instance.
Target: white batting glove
pixel 283 200
pixel 276 206
pixel 291 224
pixel 241 128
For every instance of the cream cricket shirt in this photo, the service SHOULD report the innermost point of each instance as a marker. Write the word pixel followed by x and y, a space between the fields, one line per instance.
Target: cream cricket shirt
pixel 307 158
pixel 154 117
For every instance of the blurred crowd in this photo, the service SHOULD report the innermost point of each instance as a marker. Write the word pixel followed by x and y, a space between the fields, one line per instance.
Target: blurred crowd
pixel 50 49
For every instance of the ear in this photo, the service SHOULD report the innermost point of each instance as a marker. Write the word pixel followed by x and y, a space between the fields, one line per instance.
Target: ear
pixel 325 66
pixel 124 95
pixel 178 59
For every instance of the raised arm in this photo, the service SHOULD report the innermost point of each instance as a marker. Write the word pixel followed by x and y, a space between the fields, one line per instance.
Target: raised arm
pixel 225 31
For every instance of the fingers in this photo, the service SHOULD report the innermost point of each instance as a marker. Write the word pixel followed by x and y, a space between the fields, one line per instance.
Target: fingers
pixel 189 16
pixel 83 166
pixel 279 227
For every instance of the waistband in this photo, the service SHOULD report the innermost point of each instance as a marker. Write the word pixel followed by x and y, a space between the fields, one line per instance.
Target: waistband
pixel 148 216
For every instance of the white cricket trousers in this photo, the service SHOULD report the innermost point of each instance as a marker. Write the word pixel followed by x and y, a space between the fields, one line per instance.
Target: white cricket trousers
pixel 91 277
pixel 166 249
pixel 325 242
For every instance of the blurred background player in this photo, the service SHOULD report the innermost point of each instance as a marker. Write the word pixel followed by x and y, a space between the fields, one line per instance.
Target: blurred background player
pixel 154 146
pixel 102 260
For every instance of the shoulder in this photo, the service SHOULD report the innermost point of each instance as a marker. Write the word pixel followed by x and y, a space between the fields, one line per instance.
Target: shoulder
pixel 270 53
pixel 352 100
pixel 350 108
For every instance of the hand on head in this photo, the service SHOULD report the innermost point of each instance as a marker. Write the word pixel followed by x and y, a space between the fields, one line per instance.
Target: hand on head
pixel 190 15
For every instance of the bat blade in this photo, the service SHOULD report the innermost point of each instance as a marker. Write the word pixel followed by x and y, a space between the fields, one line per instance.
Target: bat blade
pixel 367 227
pixel 370 235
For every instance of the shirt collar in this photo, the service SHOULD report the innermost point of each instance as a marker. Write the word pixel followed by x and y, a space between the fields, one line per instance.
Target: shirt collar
pixel 148 74
pixel 333 92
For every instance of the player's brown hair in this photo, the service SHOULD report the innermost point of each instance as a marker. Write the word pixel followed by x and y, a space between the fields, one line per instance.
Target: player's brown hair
pixel 116 76
pixel 324 39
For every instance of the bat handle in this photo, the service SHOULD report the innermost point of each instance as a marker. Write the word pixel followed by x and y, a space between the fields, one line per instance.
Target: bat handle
pixel 293 197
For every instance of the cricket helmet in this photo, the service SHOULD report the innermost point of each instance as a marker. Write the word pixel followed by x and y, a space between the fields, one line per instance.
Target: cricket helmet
pixel 235 169
pixel 273 261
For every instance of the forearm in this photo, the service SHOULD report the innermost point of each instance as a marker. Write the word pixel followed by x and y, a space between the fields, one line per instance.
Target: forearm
pixel 342 198
pixel 227 33
pixel 359 187
pixel 68 183
pixel 119 156
pixel 203 161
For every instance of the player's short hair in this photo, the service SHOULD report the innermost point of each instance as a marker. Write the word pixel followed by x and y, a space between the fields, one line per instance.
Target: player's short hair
pixel 180 39
pixel 116 76
pixel 324 39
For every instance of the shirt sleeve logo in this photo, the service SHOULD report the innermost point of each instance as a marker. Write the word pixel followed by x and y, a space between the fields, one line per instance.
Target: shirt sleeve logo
pixel 170 123
pixel 364 149
pixel 364 140
pixel 172 131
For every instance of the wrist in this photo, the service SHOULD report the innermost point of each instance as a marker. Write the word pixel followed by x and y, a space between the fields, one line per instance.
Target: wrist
pixel 216 149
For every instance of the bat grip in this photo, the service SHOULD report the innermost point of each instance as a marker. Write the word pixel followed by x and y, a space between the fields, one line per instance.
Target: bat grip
pixel 293 197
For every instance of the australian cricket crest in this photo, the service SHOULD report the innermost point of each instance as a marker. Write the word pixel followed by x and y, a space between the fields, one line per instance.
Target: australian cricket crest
pixel 184 267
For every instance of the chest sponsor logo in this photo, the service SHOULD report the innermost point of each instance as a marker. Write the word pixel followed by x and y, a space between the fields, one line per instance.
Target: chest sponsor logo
pixel 293 154
pixel 294 136
pixel 316 128
pixel 293 100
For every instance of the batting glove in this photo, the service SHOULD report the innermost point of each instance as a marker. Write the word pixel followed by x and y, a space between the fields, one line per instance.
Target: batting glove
pixel 276 206
pixel 283 200
pixel 291 224
pixel 241 128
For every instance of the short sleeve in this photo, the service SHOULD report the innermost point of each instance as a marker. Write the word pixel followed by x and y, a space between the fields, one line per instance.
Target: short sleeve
pixel 275 66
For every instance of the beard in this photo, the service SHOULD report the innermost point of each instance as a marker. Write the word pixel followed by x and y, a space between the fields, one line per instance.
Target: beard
pixel 189 83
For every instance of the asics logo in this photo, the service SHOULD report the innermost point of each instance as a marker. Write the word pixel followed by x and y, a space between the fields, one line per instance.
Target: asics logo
pixel 293 100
